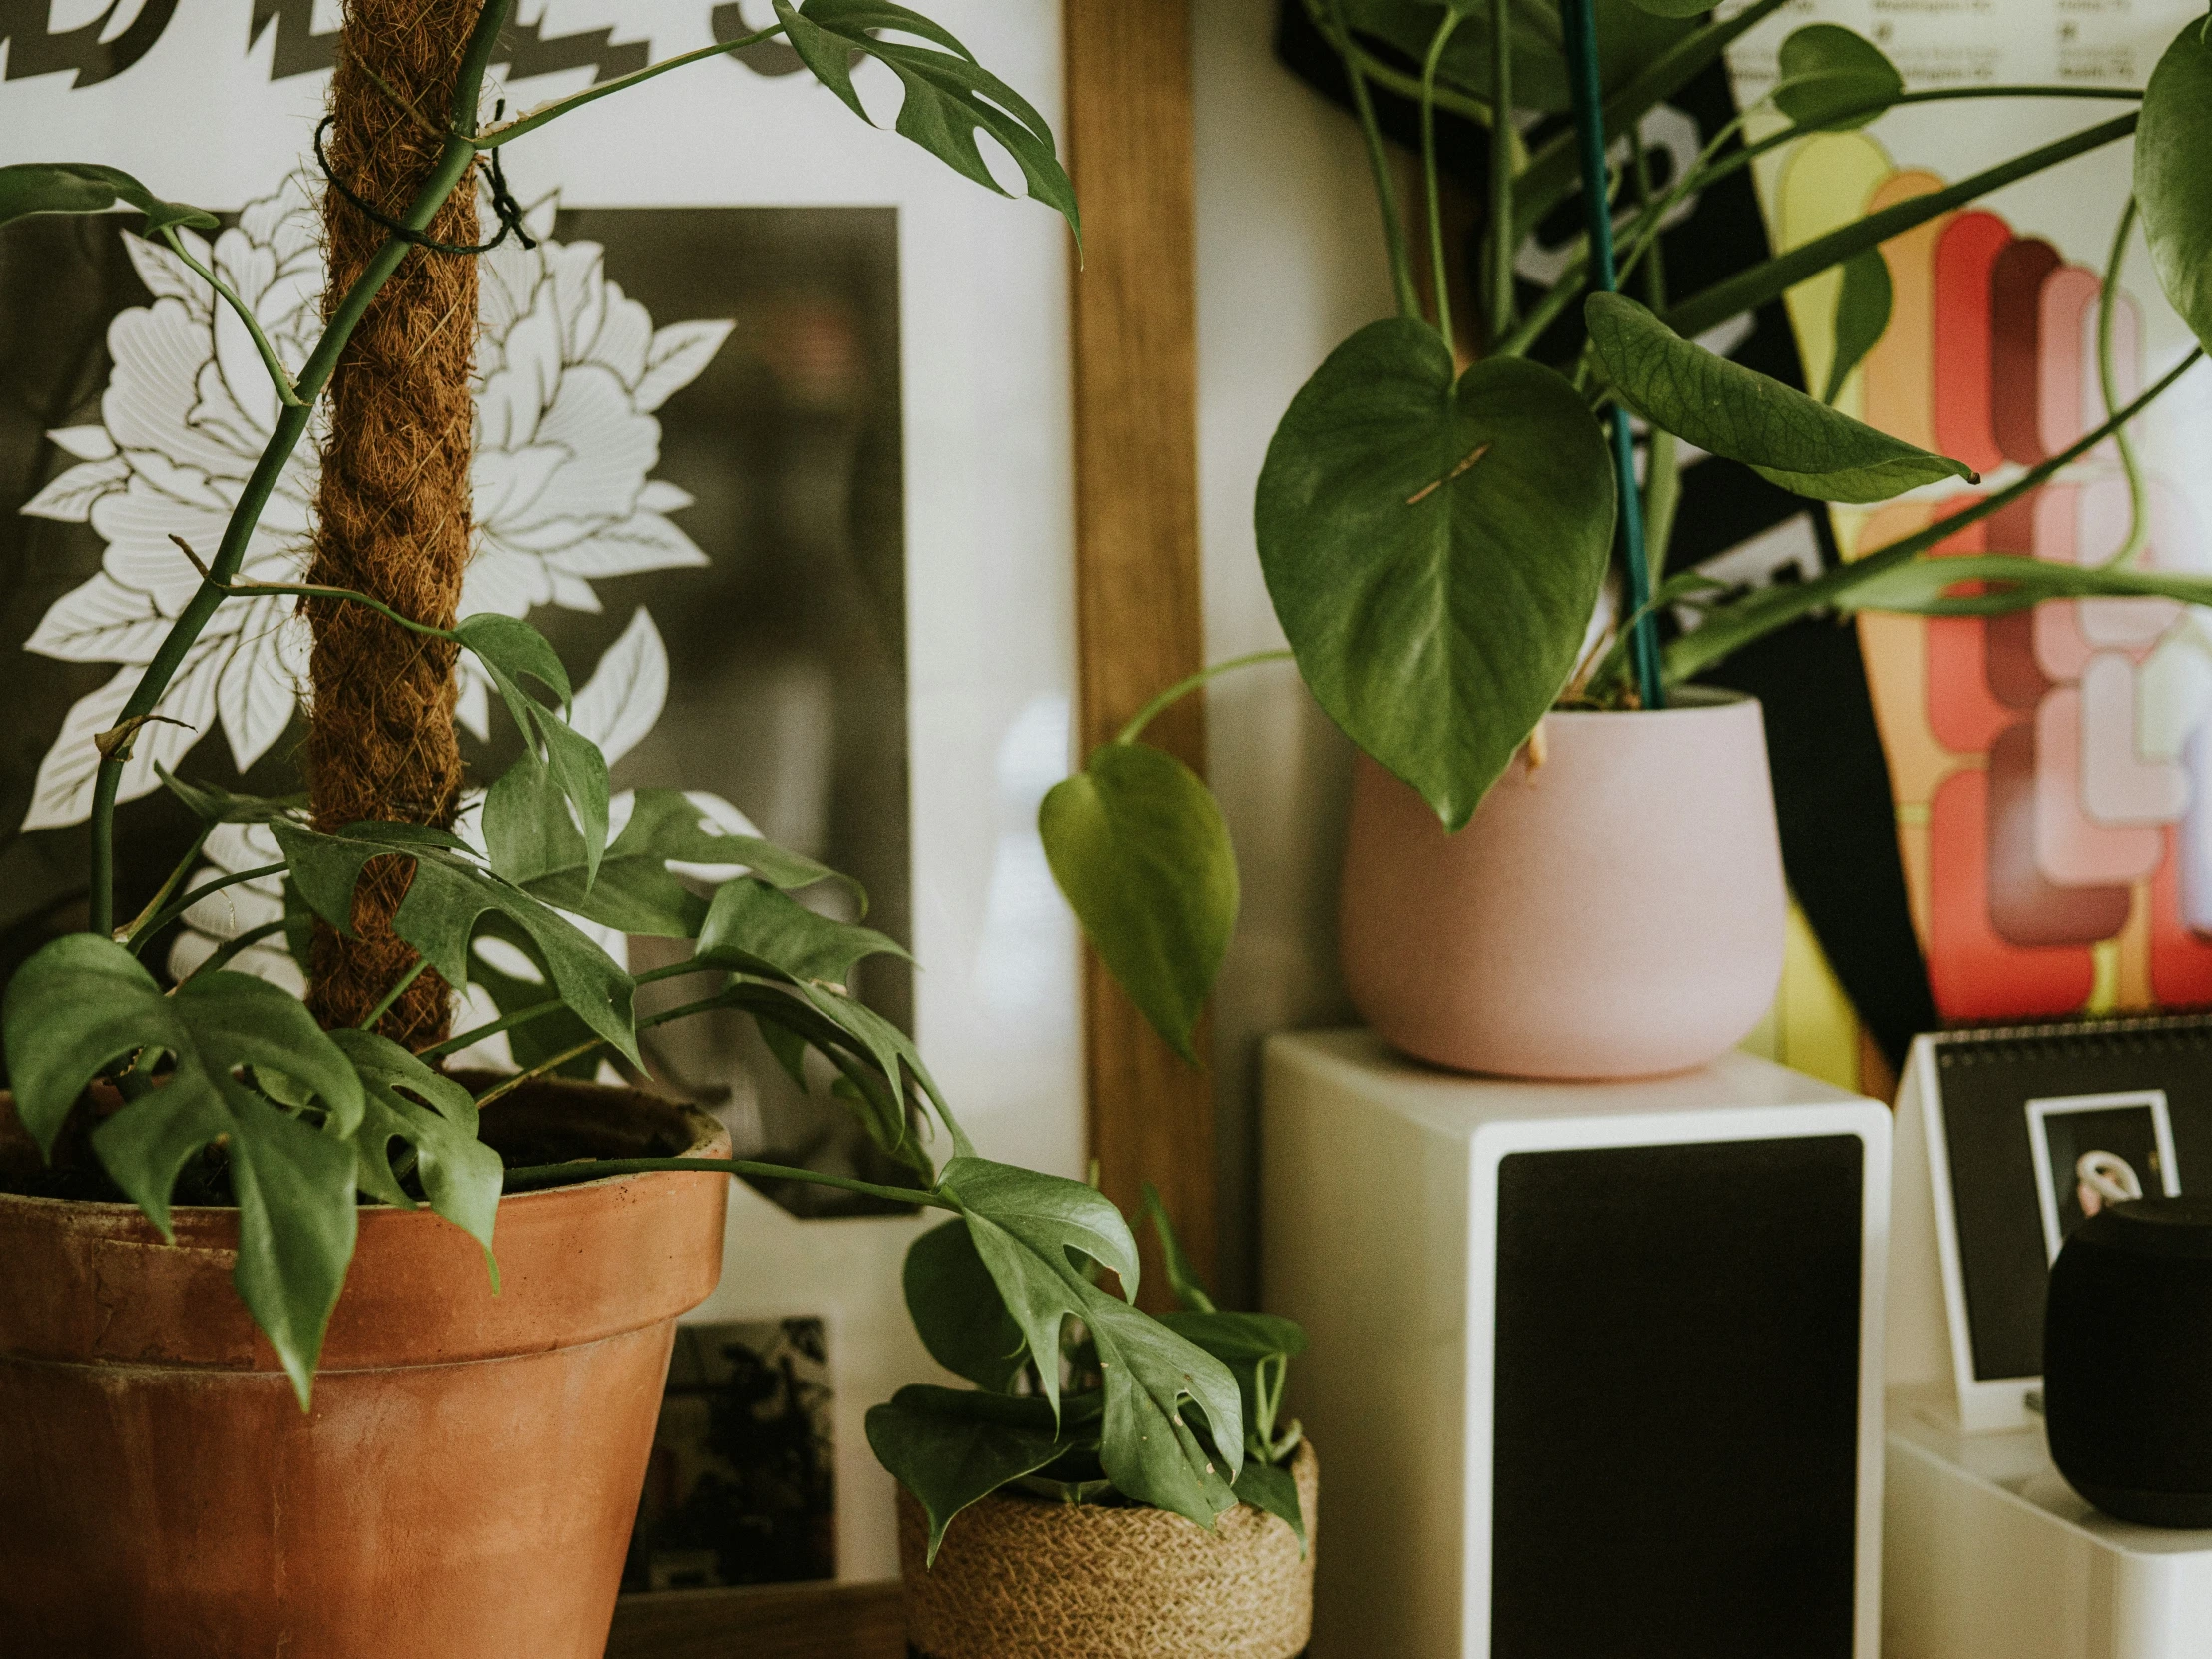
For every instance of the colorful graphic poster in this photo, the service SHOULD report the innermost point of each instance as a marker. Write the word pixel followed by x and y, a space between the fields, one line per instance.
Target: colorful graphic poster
pixel 2051 768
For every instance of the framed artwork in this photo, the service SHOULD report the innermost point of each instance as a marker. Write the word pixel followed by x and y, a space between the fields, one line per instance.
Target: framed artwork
pixel 2008 1139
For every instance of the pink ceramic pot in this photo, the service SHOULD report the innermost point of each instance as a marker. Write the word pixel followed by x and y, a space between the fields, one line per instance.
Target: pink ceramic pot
pixel 1617 911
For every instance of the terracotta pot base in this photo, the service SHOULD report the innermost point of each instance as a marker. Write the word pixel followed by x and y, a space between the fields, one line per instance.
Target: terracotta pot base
pixel 467 1481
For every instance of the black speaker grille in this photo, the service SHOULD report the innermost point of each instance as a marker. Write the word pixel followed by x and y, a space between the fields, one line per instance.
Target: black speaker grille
pixel 1677 1401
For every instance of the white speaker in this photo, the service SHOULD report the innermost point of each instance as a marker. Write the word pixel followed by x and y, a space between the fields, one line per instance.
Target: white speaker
pixel 1597 1367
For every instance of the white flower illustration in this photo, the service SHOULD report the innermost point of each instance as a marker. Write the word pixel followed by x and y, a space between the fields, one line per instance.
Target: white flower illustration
pixel 570 371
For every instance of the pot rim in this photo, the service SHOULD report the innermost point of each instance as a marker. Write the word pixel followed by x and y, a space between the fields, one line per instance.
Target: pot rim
pixel 1685 702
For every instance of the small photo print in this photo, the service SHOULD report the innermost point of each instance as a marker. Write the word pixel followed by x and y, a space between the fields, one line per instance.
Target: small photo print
pixel 2093 1150
pixel 740 1489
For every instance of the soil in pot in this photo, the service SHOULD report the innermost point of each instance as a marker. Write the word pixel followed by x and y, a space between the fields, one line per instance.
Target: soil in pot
pixel 466 1480
pixel 1024 1577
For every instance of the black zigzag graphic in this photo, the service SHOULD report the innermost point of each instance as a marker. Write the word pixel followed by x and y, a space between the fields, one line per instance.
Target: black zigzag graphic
pixel 523 47
pixel 34 49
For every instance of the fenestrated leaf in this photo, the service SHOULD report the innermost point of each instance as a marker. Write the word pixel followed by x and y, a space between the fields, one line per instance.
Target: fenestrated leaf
pixel 957 1311
pixel 28 188
pixel 1024 1226
pixel 1861 316
pixel 539 850
pixel 1434 551
pixel 2171 147
pixel 84 1002
pixel 754 927
pixel 863 1044
pixel 447 895
pixel 948 95
pixel 1783 436
pixel 461 1175
pixel 1267 1488
pixel 212 804
pixel 572 764
pixel 951 1449
pixel 1138 845
pixel 1831 77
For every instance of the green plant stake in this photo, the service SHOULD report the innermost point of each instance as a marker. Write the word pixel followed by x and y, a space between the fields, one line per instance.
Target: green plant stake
pixel 1597 205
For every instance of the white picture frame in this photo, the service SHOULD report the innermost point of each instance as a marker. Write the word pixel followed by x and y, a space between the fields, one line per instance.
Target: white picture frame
pixel 2040 1116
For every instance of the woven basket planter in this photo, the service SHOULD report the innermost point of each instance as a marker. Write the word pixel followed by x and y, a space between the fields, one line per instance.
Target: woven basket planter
pixel 1028 1578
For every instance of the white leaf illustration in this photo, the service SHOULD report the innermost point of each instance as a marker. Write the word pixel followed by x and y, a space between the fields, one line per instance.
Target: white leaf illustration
pixel 621 701
pixel 101 621
pixel 70 495
pixel 679 353
pixel 86 443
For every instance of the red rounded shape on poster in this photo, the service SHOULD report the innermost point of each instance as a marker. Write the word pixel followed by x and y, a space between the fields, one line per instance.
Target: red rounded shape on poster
pixel 1973 973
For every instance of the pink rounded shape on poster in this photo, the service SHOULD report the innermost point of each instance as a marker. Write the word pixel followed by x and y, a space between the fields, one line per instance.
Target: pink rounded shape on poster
pixel 1617 911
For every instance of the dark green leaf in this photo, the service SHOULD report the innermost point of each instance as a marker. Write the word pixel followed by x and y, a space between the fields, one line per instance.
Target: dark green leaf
pixel 1138 845
pixel 510 650
pixel 1265 1486
pixel 1629 39
pixel 513 651
pixel 957 1311
pixel 1861 316
pixel 213 805
pixel 1434 551
pixel 410 1102
pixel 754 927
pixel 1190 1292
pixel 1026 1227
pixel 2171 154
pixel 548 1036
pixel 1834 78
pixel 28 188
pixel 1239 1339
pixel 83 1003
pixel 449 892
pixel 948 95
pixel 951 1449
pixel 1785 436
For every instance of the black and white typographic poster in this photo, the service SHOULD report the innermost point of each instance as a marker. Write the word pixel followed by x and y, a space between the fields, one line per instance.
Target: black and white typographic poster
pixel 772 443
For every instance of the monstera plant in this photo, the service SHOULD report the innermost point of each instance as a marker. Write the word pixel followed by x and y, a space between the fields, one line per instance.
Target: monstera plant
pixel 180 1479
pixel 1437 535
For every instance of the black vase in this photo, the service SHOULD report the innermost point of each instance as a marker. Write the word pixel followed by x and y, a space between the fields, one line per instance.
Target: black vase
pixel 2127 1361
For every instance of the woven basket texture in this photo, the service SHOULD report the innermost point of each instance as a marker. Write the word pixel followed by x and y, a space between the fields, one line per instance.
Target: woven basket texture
pixel 1026 1578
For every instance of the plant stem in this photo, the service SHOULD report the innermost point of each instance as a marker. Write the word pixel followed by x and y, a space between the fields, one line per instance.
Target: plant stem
pixel 1437 271
pixel 1189 683
pixel 231 949
pixel 292 426
pixel 1752 287
pixel 1385 192
pixel 506 132
pixel 162 920
pixel 1727 628
pixel 593 1168
pixel 394 994
pixel 286 393
pixel 1503 143
pixel 176 878
pixel 1662 470
pixel 2138 517
pixel 508 1085
pixel 1589 122
pixel 507 1022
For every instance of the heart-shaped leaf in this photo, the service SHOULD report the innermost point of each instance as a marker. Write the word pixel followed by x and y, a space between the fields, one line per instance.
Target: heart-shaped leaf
pixel 957 1311
pixel 1861 316
pixel 1434 551
pixel 1025 1226
pixel 28 188
pixel 1273 1489
pixel 430 1112
pixel 949 97
pixel 448 894
pixel 1833 78
pixel 2171 146
pixel 1785 436
pixel 951 1449
pixel 1138 845
pixel 84 1002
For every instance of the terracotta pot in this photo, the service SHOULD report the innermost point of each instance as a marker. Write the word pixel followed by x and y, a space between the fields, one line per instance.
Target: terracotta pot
pixel 1617 912
pixel 1024 1577
pixel 467 1482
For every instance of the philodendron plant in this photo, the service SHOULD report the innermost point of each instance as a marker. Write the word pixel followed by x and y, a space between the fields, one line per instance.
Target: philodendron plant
pixel 1041 1418
pixel 224 1089
pixel 1437 541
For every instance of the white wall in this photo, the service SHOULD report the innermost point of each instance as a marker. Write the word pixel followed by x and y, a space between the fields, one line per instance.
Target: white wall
pixel 1290 262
